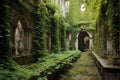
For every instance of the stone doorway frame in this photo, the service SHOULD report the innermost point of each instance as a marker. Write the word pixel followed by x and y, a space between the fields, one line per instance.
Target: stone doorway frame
pixel 90 40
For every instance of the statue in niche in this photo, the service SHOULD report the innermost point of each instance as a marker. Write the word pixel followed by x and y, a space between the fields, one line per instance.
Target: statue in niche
pixel 19 39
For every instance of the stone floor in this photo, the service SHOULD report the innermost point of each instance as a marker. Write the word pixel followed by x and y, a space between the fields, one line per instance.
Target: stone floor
pixel 83 69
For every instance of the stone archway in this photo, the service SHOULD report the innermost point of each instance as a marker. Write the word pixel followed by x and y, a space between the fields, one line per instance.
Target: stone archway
pixel 83 41
pixel 22 30
pixel 90 41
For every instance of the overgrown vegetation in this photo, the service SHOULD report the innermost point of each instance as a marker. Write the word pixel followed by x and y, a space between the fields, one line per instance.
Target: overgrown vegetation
pixel 40 18
pixel 47 18
pixel 63 34
pixel 55 47
pixel 46 14
pixel 50 63
pixel 107 27
pixel 5 30
pixel 43 12
pixel 76 17
pixel 73 37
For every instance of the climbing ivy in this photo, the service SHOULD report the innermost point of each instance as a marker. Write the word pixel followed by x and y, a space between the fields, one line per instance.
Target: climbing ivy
pixel 73 37
pixel 113 14
pixel 108 25
pixel 55 46
pixel 7 65
pixel 5 29
pixel 39 42
pixel 62 34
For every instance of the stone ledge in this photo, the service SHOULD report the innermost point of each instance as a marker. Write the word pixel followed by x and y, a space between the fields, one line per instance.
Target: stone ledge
pixel 107 71
pixel 23 59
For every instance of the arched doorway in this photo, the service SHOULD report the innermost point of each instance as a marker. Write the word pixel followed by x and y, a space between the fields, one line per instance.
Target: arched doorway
pixel 83 41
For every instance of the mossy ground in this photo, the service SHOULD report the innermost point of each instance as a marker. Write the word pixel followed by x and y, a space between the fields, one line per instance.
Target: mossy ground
pixel 83 69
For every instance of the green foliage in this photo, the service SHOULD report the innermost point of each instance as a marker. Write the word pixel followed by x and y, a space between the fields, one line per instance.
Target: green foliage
pixel 52 8
pixel 42 78
pixel 55 34
pixel 107 24
pixel 47 65
pixel 62 34
pixel 74 12
pixel 44 67
pixel 73 37
pixel 46 18
pixel 5 29
pixel 39 42
pixel 24 6
pixel 76 16
pixel 9 70
pixel 86 39
pixel 113 15
pixel 101 27
pixel 8 74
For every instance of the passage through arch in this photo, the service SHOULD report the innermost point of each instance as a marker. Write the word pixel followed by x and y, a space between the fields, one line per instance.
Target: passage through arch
pixel 83 41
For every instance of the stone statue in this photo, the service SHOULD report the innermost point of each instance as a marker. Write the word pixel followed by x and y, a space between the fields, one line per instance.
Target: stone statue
pixel 20 47
pixel 19 38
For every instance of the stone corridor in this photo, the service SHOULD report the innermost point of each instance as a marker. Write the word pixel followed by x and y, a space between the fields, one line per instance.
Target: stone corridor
pixel 83 69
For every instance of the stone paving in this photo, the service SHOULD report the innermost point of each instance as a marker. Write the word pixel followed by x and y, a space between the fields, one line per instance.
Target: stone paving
pixel 83 69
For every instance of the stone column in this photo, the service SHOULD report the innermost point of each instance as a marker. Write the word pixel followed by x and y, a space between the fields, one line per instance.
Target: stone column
pixel 76 42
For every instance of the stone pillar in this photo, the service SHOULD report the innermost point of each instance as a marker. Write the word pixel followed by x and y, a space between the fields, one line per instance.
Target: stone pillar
pixel 90 40
pixel 68 40
pixel 76 42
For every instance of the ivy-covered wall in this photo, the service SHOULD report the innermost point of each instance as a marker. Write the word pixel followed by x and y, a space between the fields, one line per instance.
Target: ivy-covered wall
pixel 63 33
pixel 42 13
pixel 39 39
pixel 55 46
pixel 114 23
pixel 5 30
pixel 74 32
pixel 101 29
pixel 107 26
pixel 47 16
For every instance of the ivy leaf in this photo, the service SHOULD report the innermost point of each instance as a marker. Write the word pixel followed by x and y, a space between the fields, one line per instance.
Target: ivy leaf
pixel 7 6
pixel 42 78
pixel 2 77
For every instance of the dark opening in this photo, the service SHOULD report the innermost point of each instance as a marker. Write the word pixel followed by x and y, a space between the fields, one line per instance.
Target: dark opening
pixel 83 41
